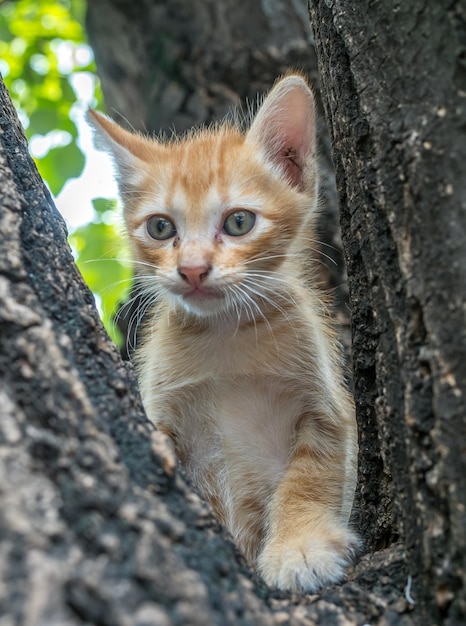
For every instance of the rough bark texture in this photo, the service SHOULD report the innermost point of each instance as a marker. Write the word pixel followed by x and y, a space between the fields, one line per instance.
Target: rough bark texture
pixel 394 84
pixel 177 64
pixel 168 66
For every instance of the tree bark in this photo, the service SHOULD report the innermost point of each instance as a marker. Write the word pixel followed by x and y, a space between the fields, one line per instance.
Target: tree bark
pixel 394 85
pixel 174 65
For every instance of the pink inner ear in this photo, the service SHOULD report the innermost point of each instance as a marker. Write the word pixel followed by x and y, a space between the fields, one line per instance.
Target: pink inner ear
pixel 293 164
pixel 294 127
pixel 285 127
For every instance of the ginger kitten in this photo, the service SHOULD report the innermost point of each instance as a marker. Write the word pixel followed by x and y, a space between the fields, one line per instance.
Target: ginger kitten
pixel 239 365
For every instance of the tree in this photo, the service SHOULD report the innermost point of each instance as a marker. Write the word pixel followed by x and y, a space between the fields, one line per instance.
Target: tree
pixel 96 525
pixel 394 85
pixel 42 54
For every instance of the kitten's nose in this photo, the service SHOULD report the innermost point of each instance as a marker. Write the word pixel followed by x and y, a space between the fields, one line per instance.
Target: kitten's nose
pixel 194 275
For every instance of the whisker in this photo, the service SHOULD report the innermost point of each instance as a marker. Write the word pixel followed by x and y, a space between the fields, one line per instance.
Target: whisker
pixel 261 290
pixel 116 283
pixel 123 261
pixel 265 289
pixel 139 293
pixel 237 310
pixel 250 285
pixel 231 303
pixel 264 275
pixel 145 296
pixel 301 255
pixel 137 192
pixel 125 119
pixel 259 279
pixel 274 256
pixel 247 307
pixel 136 319
pixel 259 311
pixel 324 243
pixel 329 258
pixel 145 264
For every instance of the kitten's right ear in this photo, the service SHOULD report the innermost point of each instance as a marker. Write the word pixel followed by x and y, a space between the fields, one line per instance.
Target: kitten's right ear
pixel 284 128
pixel 128 150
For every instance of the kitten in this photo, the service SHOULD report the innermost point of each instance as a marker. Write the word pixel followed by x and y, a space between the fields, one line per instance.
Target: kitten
pixel 239 366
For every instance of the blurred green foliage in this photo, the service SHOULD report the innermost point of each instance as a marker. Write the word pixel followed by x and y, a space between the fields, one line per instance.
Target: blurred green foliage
pixel 43 54
pixel 101 260
pixel 35 39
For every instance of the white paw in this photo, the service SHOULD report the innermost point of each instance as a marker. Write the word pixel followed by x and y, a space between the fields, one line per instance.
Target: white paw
pixel 307 563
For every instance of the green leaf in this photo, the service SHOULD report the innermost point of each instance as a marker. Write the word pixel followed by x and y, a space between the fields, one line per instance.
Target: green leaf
pixel 104 208
pixel 100 258
pixel 61 164
pixel 43 119
pixel 5 34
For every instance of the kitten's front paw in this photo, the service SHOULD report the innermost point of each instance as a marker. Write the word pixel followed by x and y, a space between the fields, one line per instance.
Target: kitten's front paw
pixel 305 563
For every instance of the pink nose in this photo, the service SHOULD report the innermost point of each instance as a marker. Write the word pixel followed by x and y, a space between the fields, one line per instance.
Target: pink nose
pixel 194 275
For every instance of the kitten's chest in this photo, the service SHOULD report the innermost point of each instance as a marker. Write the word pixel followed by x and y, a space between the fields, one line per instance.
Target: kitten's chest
pixel 235 427
pixel 233 392
pixel 222 392
pixel 231 403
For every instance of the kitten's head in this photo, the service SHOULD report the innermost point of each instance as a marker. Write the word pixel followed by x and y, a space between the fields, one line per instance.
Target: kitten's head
pixel 214 217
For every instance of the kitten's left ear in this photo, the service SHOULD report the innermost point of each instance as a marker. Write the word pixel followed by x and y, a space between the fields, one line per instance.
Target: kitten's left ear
pixel 284 128
pixel 129 150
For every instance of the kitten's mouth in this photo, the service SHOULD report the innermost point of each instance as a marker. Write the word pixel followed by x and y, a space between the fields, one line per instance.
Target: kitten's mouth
pixel 201 294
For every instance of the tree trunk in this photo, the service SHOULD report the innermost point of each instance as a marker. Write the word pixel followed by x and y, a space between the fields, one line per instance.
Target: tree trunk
pixel 174 65
pixel 394 86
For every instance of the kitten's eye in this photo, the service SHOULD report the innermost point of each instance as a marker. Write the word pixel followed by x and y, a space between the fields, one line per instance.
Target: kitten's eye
pixel 239 223
pixel 159 227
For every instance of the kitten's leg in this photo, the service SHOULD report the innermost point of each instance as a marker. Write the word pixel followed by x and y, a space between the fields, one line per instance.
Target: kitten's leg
pixel 308 543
